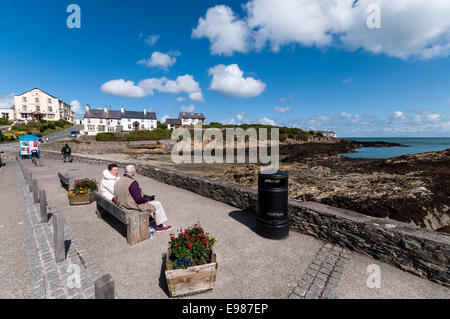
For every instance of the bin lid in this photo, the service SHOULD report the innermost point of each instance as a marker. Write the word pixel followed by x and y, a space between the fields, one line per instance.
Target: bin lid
pixel 271 174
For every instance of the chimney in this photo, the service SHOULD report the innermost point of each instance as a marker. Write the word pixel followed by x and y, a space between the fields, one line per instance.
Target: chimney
pixel 87 107
pixel 122 109
pixel 105 109
pixel 145 112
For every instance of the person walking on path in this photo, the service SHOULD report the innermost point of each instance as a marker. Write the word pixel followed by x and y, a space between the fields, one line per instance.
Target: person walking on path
pixel 128 195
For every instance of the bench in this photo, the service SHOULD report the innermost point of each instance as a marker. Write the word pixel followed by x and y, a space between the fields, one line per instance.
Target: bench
pixel 137 222
pixel 67 181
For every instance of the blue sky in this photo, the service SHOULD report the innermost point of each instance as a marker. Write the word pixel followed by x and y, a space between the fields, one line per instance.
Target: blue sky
pixel 358 81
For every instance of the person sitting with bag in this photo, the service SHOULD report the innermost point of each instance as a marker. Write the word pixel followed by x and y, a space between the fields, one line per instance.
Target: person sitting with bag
pixel 128 195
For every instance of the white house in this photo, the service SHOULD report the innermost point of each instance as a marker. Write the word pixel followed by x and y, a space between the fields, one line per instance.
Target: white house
pixel 188 119
pixel 172 123
pixel 35 105
pixel 7 113
pixel 135 121
pixel 105 120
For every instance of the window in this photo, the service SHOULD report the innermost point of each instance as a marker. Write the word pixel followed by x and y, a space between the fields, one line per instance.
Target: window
pixel 37 100
pixel 38 108
pixel 108 122
pixel 89 121
pixel 49 101
pixel 50 109
pixel 24 99
pixel 24 108
pixel 142 126
pixel 129 126
pixel 91 127
pixel 25 116
pixel 118 122
pixel 101 121
pixel 5 115
pixel 110 128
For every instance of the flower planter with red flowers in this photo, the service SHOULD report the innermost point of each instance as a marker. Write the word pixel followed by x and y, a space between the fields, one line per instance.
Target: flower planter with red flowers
pixel 83 192
pixel 191 264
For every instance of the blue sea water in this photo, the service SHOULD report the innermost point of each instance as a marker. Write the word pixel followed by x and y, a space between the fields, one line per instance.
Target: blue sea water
pixel 415 145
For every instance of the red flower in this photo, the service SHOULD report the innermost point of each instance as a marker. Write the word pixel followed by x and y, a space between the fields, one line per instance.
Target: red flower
pixel 176 245
pixel 190 245
pixel 207 245
pixel 206 234
pixel 186 231
pixel 199 228
pixel 187 236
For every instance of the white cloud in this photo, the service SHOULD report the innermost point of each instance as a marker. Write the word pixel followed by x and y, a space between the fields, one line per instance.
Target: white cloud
pixel 183 84
pixel 230 81
pixel 123 88
pixel 240 116
pixel 347 81
pixel 224 30
pixel 433 117
pixel 267 121
pixel 282 109
pixel 76 107
pixel 181 99
pixel 7 101
pixel 196 96
pixel 161 60
pixel 151 39
pixel 164 118
pixel 409 28
pixel 190 108
pixel 398 114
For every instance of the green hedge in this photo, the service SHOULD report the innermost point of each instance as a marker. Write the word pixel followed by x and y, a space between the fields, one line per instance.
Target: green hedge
pixel 106 137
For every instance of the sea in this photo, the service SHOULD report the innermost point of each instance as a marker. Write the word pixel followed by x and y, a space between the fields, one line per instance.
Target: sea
pixel 415 145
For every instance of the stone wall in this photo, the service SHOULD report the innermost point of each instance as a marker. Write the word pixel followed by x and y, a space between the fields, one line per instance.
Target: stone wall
pixel 413 249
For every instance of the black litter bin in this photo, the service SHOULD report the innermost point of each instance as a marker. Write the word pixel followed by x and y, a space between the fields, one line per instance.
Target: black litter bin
pixel 273 219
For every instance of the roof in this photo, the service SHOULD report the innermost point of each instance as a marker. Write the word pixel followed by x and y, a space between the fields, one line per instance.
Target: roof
pixel 110 114
pixel 173 121
pixel 138 115
pixel 186 115
pixel 101 114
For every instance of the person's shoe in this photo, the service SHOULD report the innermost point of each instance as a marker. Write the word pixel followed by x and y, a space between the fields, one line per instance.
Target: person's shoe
pixel 162 229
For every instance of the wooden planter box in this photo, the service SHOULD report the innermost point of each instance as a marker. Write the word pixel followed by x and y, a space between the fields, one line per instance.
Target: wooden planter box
pixel 81 199
pixel 192 280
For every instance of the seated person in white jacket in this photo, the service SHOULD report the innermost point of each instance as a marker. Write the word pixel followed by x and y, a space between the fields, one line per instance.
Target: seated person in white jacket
pixel 110 177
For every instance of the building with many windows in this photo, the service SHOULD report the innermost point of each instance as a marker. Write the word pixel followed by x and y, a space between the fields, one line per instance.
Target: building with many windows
pixel 105 120
pixel 36 105
pixel 188 119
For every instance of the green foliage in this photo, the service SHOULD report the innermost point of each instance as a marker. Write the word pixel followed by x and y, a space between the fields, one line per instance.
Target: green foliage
pixel 5 122
pixel 161 125
pixel 106 137
pixel 156 134
pixel 190 247
pixel 83 186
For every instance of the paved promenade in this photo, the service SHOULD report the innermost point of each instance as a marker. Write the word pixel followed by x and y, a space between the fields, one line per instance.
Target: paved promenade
pixel 249 266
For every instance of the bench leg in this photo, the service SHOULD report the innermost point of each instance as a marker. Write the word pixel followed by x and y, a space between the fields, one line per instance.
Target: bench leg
pixel 101 213
pixel 137 228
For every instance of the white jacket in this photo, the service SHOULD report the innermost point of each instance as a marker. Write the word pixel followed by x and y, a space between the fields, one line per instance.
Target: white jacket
pixel 107 184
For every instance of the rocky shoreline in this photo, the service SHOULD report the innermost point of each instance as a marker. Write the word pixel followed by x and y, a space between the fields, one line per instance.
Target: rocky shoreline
pixel 411 188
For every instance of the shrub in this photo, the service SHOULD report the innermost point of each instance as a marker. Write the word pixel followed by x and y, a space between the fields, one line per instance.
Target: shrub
pixel 20 133
pixel 106 137
pixel 156 134
pixel 9 136
pixel 5 122
pixel 190 247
